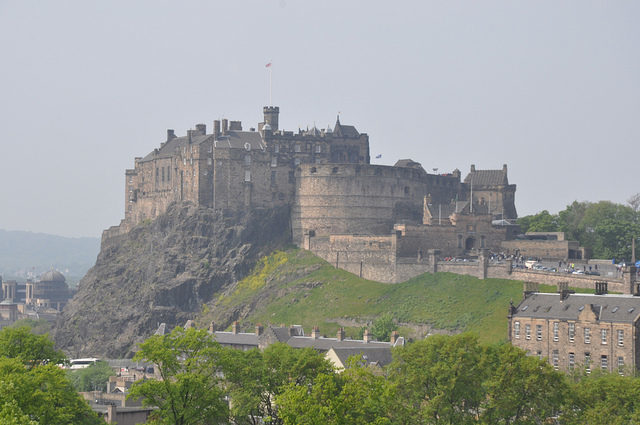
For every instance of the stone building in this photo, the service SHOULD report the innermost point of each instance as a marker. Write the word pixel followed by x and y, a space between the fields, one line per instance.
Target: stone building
pixel 600 331
pixel 50 291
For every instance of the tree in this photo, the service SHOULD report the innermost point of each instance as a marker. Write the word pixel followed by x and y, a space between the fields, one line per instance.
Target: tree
pixel 255 379
pixel 521 389
pixel 357 396
pixel 634 202
pixel 41 394
pixel 383 326
pixel 92 378
pixel 439 379
pixel 190 390
pixel 19 343
pixel 541 222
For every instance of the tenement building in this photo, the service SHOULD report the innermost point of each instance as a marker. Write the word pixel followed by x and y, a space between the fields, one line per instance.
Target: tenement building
pixel 590 331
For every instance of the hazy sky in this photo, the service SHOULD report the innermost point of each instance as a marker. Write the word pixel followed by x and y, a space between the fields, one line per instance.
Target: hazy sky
pixel 550 88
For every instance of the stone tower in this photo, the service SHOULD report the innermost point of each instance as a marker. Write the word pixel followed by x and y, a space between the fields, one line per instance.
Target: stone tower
pixel 271 116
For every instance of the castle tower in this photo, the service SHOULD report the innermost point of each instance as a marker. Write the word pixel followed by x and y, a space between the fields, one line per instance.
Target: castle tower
pixel 271 116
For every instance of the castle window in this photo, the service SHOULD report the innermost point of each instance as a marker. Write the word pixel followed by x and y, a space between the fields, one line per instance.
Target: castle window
pixel 516 330
pixel 274 161
pixel 168 173
pixel 313 170
pixel 587 362
pixel 292 177
pixel 247 175
pixel 318 148
pixel 297 148
pixel 621 365
pixel 247 160
pixel 334 170
pixel 572 332
pixel 620 338
pixel 604 362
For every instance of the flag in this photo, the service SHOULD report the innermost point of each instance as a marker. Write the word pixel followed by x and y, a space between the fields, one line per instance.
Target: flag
pixel 378 156
pixel 268 65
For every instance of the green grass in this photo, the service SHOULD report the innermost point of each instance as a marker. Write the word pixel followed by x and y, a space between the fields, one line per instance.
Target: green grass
pixel 297 287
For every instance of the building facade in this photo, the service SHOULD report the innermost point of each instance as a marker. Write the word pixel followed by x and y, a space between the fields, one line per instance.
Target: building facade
pixel 573 331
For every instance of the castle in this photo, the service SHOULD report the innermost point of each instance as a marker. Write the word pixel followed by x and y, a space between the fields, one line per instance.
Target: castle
pixel 341 204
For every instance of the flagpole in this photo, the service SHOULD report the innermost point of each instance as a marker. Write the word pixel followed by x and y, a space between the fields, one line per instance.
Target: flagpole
pixel 270 102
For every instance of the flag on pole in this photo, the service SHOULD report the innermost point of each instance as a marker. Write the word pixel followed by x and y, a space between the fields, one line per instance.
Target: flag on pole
pixel 378 156
pixel 268 65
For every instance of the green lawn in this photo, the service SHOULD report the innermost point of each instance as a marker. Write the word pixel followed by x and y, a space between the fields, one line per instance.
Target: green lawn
pixel 296 287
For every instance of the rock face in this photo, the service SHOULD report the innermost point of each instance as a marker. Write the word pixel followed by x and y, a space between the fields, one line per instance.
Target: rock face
pixel 164 271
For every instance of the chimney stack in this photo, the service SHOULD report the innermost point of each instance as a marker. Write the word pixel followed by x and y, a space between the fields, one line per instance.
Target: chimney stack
pixel 601 288
pixel 235 125
pixel 189 135
pixel 292 331
pixel 234 327
pixel 201 128
pixel 225 126
pixel 315 333
pixel 394 337
pixel 340 334
pixel 473 168
pixel 259 329
pixel 216 129
pixel 212 327
pixel 366 337
pixel 171 134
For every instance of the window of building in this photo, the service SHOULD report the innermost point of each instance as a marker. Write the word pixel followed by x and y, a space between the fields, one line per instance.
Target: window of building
pixel 297 148
pixel 469 227
pixel 157 174
pixel 247 175
pixel 459 241
pixel 318 148
pixel 621 365
pixel 556 330
pixel 292 177
pixel 572 332
pixel 527 331
pixel 273 177
pixel 539 332
pixel 587 362
pixel 209 161
pixel 587 335
pixel 572 361
pixel 554 359
pixel 163 174
pixel 276 148
pixel 516 330
pixel 603 336
pixel 247 160
pixel 482 241
pixel 406 190
pixel 604 362
pixel 296 161
pixel 274 161
pixel 539 354
pixel 169 173
pixel 620 338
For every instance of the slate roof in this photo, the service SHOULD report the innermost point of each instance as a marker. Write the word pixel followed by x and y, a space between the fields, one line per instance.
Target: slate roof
pixel 608 308
pixel 239 140
pixel 408 163
pixel 380 356
pixel 347 131
pixel 169 149
pixel 487 178
pixel 229 338
pixel 325 344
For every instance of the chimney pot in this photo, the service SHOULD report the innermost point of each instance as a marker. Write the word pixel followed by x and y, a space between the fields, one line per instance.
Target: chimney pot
pixel 366 337
pixel 225 126
pixel 234 327
pixel 340 334
pixel 259 329
pixel 315 333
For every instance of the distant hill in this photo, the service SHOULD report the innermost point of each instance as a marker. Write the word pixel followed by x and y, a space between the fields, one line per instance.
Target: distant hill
pixel 22 253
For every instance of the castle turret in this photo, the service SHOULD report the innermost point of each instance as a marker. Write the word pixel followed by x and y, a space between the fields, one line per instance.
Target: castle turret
pixel 271 116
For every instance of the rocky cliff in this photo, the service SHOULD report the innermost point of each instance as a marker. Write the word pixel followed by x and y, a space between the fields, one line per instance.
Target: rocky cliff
pixel 164 271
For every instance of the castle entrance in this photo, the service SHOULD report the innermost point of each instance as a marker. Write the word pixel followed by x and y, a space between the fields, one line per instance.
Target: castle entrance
pixel 469 244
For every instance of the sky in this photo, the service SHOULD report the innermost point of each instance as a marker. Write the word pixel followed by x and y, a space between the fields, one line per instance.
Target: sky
pixel 550 88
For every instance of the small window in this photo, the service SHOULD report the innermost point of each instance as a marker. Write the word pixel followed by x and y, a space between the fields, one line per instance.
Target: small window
pixel 313 170
pixel 169 173
pixel 603 336
pixel 276 148
pixel 539 332
pixel 162 174
pixel 527 331
pixel 292 177
pixel 604 362
pixel 516 330
pixel 554 358
pixel 318 148
pixel 572 361
pixel 296 161
pixel 459 241
pixel 620 338
pixel 209 161
pixel 481 241
pixel 572 332
pixel 273 177
pixel 297 148
pixel 556 331
pixel 247 160
pixel 247 175
pixel 406 190
pixel 621 365
pixel 334 170
pixel 539 354
pixel 587 362
pixel 587 336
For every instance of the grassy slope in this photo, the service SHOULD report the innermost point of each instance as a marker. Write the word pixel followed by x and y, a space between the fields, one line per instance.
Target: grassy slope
pixel 297 287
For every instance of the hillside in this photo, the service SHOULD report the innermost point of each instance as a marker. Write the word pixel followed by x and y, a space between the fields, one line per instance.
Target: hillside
pixel 295 286
pixel 163 271
pixel 22 252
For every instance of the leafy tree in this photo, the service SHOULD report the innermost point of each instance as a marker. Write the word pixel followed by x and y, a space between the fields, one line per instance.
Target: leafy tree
pixel 37 326
pixel 255 379
pixel 357 396
pixel 190 391
pixel 521 389
pixel 541 222
pixel 19 343
pixel 439 379
pixel 92 378
pixel 41 394
pixel 383 326
pixel 634 202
